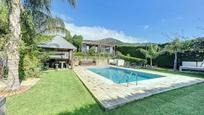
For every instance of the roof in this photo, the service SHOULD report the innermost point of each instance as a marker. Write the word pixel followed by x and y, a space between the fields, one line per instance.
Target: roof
pixel 95 42
pixel 57 42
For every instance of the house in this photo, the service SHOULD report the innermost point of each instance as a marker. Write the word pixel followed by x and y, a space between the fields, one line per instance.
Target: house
pixel 100 47
pixel 60 52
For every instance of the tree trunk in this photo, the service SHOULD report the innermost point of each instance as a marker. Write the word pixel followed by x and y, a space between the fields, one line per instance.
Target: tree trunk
pixel 151 62
pixel 13 45
pixel 175 61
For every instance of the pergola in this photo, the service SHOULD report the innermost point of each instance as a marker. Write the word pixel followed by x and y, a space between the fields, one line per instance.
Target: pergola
pixel 60 52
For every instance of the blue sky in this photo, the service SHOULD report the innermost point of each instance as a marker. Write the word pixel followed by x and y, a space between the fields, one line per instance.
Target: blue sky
pixel 133 20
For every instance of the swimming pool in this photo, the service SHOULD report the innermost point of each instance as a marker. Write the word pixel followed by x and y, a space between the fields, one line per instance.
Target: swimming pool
pixel 119 75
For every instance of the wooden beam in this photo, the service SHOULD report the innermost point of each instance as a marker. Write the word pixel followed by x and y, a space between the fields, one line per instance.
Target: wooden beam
pixel 71 58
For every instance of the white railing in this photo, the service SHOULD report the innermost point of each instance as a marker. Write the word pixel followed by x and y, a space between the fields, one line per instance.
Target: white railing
pixel 59 55
pixel 130 76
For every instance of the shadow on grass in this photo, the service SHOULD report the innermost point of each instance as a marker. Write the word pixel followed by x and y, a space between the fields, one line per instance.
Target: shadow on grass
pixel 181 101
pixel 93 109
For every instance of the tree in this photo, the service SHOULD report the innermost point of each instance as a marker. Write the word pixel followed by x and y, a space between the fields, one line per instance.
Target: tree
pixel 194 44
pixel 15 7
pixel 52 26
pixel 92 50
pixel 174 47
pixel 151 52
pixel 76 40
pixel 31 57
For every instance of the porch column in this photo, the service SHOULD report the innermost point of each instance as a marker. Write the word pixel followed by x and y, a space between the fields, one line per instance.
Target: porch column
pixel 111 50
pixel 71 58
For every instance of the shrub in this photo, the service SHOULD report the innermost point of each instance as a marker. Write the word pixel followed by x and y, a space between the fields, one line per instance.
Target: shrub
pixel 78 54
pixel 105 54
pixel 76 40
pixel 92 51
pixel 165 60
pixel 131 59
pixel 133 51
pixel 29 66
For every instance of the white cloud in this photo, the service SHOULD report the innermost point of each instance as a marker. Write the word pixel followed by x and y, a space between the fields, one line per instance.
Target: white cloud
pixel 146 27
pixel 95 33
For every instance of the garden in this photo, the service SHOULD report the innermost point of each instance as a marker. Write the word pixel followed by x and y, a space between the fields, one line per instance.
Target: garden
pixel 62 93
pixel 32 89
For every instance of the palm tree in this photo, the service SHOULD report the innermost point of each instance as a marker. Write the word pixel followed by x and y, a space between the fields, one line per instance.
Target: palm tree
pixel 37 7
pixel 151 52
pixel 174 47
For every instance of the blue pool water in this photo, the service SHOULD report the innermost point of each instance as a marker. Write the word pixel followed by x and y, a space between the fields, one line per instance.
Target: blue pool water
pixel 118 75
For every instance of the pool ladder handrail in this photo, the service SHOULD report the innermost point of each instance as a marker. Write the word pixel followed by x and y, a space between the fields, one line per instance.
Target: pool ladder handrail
pixel 136 76
pixel 127 80
pixel 129 76
pixel 136 79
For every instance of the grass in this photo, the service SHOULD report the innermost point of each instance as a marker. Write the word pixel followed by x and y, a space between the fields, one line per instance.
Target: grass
pixel 61 93
pixel 186 73
pixel 56 92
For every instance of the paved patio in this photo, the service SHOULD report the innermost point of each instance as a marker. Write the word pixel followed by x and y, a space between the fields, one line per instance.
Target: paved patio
pixel 25 85
pixel 2 85
pixel 111 95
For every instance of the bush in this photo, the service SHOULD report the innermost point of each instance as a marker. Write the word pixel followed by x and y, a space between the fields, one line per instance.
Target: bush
pixel 29 66
pixel 131 59
pixel 92 51
pixel 131 50
pixel 79 54
pixel 105 54
pixel 191 56
pixel 76 40
pixel 165 60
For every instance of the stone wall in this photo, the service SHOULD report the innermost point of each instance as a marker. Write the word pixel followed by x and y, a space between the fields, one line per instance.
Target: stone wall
pixel 99 61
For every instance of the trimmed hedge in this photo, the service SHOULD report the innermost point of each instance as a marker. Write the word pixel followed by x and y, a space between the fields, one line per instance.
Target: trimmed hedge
pixel 165 60
pixel 132 59
pixel 192 56
pixel 131 50
pixel 103 54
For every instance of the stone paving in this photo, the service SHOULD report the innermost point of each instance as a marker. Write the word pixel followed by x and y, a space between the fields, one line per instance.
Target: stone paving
pixel 25 85
pixel 2 85
pixel 111 95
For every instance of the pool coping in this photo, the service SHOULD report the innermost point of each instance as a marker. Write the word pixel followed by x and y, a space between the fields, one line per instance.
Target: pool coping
pixel 111 95
pixel 125 69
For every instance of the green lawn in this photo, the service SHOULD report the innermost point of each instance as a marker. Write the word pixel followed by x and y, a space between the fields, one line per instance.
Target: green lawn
pixel 61 93
pixel 186 73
